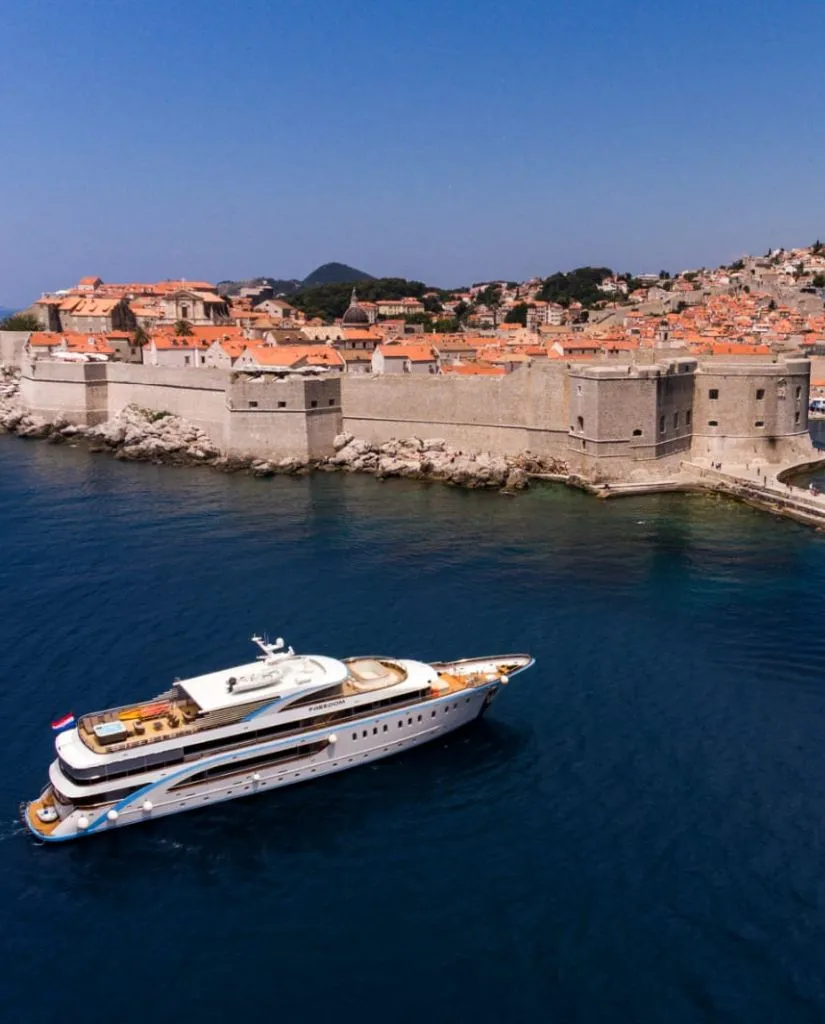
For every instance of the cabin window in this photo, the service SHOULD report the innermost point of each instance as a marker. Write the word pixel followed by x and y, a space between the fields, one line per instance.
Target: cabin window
pixel 760 394
pixel 713 394
pixel 375 730
pixel 385 728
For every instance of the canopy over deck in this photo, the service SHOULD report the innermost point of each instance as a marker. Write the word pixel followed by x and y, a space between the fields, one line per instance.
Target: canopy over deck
pixel 259 680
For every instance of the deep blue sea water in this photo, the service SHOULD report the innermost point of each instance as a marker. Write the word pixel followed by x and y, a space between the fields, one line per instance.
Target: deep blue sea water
pixel 636 832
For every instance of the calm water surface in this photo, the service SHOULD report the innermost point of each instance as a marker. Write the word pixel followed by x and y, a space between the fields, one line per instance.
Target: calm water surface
pixel 635 833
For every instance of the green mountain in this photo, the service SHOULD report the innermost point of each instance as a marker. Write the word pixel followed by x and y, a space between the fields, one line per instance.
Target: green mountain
pixel 335 273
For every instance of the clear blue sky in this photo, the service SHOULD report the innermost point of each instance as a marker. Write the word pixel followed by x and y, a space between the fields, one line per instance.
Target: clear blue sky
pixel 446 140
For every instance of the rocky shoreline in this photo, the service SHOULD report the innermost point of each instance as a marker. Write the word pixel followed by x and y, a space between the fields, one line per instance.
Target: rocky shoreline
pixel 141 435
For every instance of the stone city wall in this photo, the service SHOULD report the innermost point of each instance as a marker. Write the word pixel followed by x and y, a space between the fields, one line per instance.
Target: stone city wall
pixel 11 348
pixel 523 411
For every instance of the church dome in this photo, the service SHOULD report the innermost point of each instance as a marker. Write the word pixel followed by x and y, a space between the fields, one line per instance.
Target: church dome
pixel 355 316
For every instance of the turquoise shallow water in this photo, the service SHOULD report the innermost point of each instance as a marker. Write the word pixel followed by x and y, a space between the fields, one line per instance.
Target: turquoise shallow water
pixel 635 832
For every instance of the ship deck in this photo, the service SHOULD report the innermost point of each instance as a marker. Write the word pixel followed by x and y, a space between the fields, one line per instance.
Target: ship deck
pixel 43 828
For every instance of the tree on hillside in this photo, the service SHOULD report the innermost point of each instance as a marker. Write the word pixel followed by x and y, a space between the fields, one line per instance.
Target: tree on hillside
pixel 183 329
pixel 818 281
pixel 517 315
pixel 449 325
pixel 417 318
pixel 461 312
pixel 580 285
pixel 491 298
pixel 816 247
pixel 21 322
pixel 664 275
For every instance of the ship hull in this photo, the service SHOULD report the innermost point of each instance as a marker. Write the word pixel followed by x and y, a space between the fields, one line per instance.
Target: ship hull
pixel 269 766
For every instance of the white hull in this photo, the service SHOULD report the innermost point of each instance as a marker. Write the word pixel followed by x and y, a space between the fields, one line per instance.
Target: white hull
pixel 348 745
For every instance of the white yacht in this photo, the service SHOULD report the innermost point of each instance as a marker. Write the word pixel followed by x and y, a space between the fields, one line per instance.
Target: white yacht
pixel 281 719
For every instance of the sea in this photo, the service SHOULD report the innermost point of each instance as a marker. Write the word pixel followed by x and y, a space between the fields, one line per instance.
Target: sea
pixel 634 833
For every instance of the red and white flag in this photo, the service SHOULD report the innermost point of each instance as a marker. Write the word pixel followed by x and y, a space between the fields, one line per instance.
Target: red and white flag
pixel 63 723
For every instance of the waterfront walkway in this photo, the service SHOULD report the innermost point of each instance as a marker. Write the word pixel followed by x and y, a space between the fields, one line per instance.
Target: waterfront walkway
pixel 759 484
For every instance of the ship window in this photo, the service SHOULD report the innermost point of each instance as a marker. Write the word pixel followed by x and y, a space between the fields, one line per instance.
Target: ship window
pixel 409 721
pixel 262 760
pixel 355 735
pixel 364 734
pixel 375 730
pixel 432 714
pixel 400 724
pixel 385 728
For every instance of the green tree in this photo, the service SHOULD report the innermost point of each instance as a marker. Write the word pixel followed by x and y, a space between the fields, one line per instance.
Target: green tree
pixel 432 303
pixel 449 325
pixel 461 312
pixel 417 318
pixel 491 298
pixel 183 329
pixel 664 275
pixel 517 315
pixel 580 285
pixel 819 281
pixel 816 247
pixel 21 322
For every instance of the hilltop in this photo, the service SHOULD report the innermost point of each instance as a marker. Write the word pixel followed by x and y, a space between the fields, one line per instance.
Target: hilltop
pixel 327 273
pixel 335 273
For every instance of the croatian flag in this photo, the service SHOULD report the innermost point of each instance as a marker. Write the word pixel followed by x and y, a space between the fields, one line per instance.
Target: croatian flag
pixel 63 723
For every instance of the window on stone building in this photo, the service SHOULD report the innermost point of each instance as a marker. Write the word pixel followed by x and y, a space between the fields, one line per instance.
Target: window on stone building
pixel 713 394
pixel 637 433
pixel 253 405
pixel 184 312
pixel 580 421
pixel 760 394
pixel 713 423
pixel 331 401
pixel 661 424
pixel 282 405
pixel 675 420
pixel 799 392
pixel 688 417
pixel 313 404
pixel 796 417
pixel 759 423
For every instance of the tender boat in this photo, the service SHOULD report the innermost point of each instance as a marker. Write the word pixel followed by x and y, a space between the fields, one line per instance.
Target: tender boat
pixel 281 719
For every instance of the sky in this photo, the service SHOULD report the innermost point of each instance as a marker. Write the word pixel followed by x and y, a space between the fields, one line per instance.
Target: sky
pixel 449 141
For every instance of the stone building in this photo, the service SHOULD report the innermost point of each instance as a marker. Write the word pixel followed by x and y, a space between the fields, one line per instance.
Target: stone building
pixel 88 314
pixel 195 307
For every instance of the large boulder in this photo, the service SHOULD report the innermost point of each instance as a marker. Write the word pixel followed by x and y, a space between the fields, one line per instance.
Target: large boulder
pixel 342 440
